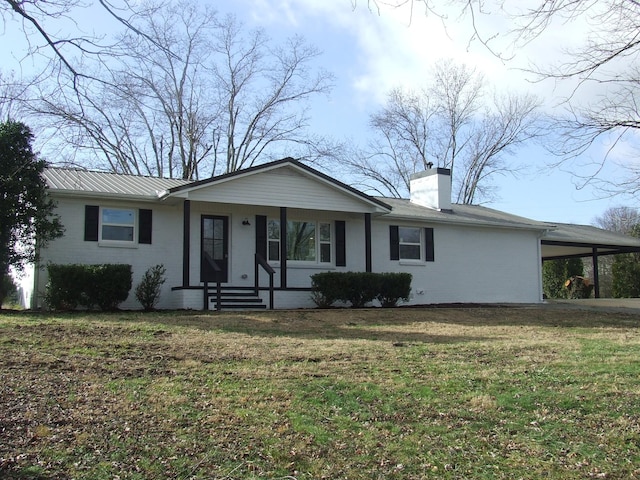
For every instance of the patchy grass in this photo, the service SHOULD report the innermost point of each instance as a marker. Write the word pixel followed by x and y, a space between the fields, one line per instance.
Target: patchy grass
pixel 406 393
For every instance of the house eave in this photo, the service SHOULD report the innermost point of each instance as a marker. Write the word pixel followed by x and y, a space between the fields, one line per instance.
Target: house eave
pixel 55 193
pixel 467 223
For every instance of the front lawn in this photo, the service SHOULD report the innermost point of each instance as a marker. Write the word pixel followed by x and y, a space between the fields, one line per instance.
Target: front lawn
pixel 522 392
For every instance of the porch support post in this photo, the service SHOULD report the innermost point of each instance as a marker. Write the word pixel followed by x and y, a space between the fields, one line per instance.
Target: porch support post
pixel 283 247
pixel 367 242
pixel 596 274
pixel 186 242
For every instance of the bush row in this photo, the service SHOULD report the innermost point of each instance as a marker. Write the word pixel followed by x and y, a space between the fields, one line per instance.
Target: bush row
pixel 360 288
pixel 89 286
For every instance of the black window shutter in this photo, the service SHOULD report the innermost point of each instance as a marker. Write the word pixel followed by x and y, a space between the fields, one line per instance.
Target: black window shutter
pixel 145 223
pixel 261 235
pixel 428 240
pixel 394 242
pixel 341 243
pixel 91 217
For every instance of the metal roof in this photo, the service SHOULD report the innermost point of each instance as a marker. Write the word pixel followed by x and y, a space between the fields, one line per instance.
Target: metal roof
pixel 568 240
pixel 470 215
pixel 78 181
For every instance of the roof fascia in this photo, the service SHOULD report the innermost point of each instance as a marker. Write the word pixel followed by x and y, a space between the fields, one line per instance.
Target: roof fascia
pixel 57 193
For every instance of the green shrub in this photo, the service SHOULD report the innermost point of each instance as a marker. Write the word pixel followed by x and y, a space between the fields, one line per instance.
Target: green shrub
pixel 70 286
pixel 65 288
pixel 148 290
pixel 393 287
pixel 8 291
pixel 326 289
pixel 360 288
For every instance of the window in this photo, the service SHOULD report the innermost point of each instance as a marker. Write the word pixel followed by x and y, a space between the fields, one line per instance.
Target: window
pixel 273 238
pixel 118 224
pixel 307 241
pixel 411 243
pixel 123 225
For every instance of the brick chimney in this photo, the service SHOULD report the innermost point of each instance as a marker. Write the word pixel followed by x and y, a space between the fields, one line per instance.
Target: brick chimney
pixel 432 188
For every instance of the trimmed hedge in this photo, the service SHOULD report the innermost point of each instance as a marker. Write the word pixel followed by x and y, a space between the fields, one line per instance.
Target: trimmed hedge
pixel 360 288
pixel 88 286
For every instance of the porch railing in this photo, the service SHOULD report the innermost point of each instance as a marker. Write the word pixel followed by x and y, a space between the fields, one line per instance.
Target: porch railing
pixel 261 262
pixel 216 268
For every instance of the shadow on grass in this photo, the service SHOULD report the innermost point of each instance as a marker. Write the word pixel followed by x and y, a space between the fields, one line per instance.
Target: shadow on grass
pixel 400 325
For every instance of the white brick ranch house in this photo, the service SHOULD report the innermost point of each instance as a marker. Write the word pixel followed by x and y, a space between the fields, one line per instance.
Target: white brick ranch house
pixel 278 223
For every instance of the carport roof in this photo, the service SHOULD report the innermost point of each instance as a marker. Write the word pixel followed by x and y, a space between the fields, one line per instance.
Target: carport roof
pixel 564 240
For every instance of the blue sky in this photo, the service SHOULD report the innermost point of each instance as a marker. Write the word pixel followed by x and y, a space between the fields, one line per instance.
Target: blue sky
pixel 370 53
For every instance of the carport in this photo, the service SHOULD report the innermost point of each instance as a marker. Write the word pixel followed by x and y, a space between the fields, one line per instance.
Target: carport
pixel 564 240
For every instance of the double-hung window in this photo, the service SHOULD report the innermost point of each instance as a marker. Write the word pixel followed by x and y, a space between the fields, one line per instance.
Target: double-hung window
pixel 118 224
pixel 414 244
pixel 306 241
pixel 410 243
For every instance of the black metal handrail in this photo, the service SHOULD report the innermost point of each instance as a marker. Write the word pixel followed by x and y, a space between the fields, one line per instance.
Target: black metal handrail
pixel 261 262
pixel 213 264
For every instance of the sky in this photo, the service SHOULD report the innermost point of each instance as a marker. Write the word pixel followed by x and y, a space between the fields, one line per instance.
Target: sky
pixel 370 51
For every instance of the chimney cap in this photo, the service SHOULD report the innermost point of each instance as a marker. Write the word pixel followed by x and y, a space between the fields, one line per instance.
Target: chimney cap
pixel 433 171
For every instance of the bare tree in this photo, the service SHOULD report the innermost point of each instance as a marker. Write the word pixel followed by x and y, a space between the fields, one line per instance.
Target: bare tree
pixel 12 94
pixel 214 98
pixel 618 219
pixel 264 90
pixel 49 21
pixel 448 125
pixel 603 71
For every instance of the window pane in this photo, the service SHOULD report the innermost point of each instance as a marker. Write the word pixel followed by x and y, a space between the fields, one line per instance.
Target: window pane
pixel 110 232
pixel 410 252
pixel 218 249
pixel 409 235
pixel 273 230
pixel 207 246
pixel 301 241
pixel 325 252
pixel 121 217
pixel 274 251
pixel 325 232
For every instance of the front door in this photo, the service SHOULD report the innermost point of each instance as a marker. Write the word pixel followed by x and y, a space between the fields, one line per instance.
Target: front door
pixel 214 260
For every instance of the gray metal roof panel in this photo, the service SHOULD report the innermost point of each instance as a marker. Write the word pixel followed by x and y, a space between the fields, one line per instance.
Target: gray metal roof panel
pixel 587 234
pixel 85 181
pixel 472 215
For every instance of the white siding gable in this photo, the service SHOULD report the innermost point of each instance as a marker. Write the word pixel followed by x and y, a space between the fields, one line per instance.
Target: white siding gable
pixel 282 187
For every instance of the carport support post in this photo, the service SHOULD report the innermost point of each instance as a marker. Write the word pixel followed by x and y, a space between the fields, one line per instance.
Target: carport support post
pixel 596 274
